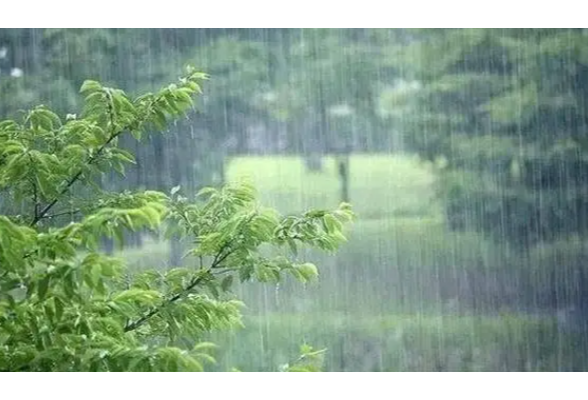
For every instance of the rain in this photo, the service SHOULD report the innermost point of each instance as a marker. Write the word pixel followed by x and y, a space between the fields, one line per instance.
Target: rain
pixel 462 151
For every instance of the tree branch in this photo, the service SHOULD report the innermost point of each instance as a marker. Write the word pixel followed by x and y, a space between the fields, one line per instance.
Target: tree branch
pixel 35 200
pixel 218 260
pixel 35 194
pixel 74 179
pixel 72 212
pixel 93 158
pixel 135 324
pixel 195 282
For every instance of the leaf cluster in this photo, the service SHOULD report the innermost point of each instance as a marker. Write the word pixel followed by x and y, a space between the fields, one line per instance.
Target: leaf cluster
pixel 65 306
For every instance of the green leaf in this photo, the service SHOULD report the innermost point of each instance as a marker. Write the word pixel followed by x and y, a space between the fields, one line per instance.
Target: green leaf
pixel 206 191
pixel 69 285
pixel 111 268
pixel 137 295
pixel 332 225
pixel 96 274
pixel 339 236
pixel 90 86
pixel 159 119
pixel 59 308
pixel 49 311
pixel 190 364
pixel 124 156
pixel 43 287
pixel 308 271
pixel 204 346
pixel 305 349
pixel 245 272
pixel 213 287
pixel 226 283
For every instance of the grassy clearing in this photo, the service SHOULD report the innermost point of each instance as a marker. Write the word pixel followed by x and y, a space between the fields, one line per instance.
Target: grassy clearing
pixel 380 185
pixel 405 343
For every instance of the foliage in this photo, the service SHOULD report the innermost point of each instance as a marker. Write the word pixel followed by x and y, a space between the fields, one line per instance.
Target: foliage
pixel 332 80
pixel 65 306
pixel 310 360
pixel 505 112
pixel 54 63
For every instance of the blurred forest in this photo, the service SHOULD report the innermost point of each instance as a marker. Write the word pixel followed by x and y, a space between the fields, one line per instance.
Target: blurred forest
pixel 464 152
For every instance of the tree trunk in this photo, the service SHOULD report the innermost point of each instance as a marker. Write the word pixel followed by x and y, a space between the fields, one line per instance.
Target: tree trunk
pixel 343 167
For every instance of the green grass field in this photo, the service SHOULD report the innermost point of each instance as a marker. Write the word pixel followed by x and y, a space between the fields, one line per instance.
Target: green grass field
pixel 413 342
pixel 380 185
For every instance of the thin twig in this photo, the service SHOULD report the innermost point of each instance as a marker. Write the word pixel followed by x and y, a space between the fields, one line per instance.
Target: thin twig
pixel 195 282
pixel 61 214
pixel 91 160
pixel 35 199
pixel 217 258
pixel 134 325
pixel 94 158
pixel 218 261
pixel 77 176
pixel 72 180
pixel 35 194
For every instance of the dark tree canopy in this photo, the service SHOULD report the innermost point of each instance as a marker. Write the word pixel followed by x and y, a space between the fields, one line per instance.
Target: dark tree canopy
pixel 509 106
